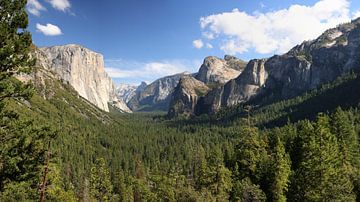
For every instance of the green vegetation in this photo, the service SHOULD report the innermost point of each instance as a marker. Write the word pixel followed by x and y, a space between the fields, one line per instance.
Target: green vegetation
pixel 302 149
pixel 126 157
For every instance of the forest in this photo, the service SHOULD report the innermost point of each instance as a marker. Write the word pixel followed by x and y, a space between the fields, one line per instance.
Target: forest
pixel 56 146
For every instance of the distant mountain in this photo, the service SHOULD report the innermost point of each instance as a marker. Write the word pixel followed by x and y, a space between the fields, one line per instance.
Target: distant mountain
pixel 126 91
pixel 155 96
pixel 84 70
pixel 303 68
pixel 213 72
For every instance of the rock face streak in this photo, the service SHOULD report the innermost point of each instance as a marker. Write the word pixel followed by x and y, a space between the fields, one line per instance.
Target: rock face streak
pixel 84 71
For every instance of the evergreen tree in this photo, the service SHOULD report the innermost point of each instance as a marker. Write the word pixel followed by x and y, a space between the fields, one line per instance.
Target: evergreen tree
pixel 246 191
pixel 320 176
pixel 100 184
pixel 15 45
pixel 343 128
pixel 281 171
pixel 250 153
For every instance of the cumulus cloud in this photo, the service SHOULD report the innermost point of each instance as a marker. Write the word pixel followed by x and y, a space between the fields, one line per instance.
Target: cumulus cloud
pixel 61 5
pixel 34 7
pixel 356 14
pixel 198 43
pixel 148 71
pixel 48 29
pixel 208 45
pixel 275 31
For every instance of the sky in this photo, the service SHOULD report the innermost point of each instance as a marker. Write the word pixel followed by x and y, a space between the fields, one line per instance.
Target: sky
pixel 143 40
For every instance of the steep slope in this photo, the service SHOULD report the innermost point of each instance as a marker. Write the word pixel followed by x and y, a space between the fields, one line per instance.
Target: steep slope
pixel 157 95
pixel 185 96
pixel 84 71
pixel 303 68
pixel 219 71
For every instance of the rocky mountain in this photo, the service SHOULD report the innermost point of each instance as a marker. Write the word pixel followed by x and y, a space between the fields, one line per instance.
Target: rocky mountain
pixel 186 95
pixel 303 68
pixel 84 71
pixel 157 95
pixel 126 91
pixel 219 71
pixel 214 72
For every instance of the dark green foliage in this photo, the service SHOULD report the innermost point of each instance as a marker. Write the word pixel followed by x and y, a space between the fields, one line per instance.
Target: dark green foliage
pixel 100 185
pixel 281 170
pixel 245 190
pixel 238 155
pixel 15 44
pixel 320 174
pixel 23 142
pixel 148 158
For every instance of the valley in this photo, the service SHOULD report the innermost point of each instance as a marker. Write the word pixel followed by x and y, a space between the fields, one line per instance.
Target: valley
pixel 282 128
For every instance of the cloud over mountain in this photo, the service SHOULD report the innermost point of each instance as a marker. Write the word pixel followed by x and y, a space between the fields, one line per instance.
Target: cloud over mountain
pixel 273 31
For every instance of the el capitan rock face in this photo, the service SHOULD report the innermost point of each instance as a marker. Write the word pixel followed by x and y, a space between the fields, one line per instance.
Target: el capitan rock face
pixel 303 68
pixel 84 71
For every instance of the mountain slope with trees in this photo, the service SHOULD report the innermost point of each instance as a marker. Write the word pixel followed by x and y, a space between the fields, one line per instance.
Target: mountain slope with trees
pixel 57 146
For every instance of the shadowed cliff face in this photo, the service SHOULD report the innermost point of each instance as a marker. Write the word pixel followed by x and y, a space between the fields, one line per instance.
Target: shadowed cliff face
pixel 84 71
pixel 186 95
pixel 303 68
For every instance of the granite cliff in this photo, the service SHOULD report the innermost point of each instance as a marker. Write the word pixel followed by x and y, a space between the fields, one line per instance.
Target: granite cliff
pixel 84 71
pixel 219 71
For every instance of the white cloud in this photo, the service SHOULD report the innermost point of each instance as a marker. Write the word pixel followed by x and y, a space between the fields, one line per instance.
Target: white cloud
pixel 48 29
pixel 62 5
pixel 198 43
pixel 148 71
pixel 209 46
pixel 34 7
pixel 275 31
pixel 356 14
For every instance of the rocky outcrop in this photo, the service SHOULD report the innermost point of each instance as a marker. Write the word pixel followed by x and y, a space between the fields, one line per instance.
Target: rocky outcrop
pixel 236 90
pixel 186 95
pixel 303 68
pixel 219 71
pixel 157 95
pixel 213 73
pixel 84 71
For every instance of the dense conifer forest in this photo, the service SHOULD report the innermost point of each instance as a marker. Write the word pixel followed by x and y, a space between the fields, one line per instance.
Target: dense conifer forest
pixel 57 146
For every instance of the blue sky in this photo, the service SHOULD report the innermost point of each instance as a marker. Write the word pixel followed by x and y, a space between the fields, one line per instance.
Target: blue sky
pixel 148 39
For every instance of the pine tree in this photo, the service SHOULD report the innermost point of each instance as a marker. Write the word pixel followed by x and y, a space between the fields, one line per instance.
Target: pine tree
pixel 21 148
pixel 246 191
pixel 250 153
pixel 282 170
pixel 343 128
pixel 320 176
pixel 100 184
pixel 15 45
